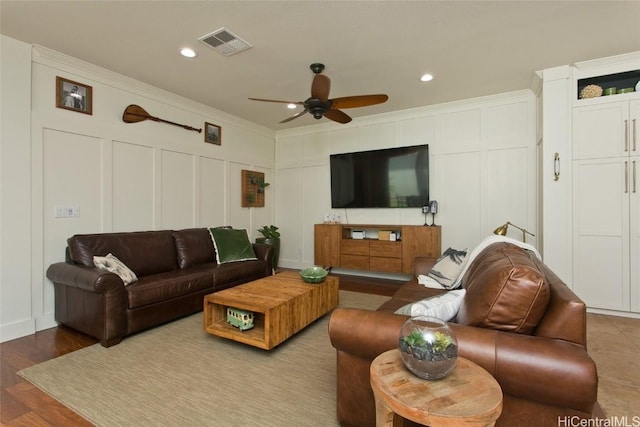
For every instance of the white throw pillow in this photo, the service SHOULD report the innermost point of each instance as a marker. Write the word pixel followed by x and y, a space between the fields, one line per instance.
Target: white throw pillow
pixel 444 306
pixel 115 266
pixel 448 267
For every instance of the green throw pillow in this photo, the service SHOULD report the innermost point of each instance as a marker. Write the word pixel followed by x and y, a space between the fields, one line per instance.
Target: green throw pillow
pixel 232 245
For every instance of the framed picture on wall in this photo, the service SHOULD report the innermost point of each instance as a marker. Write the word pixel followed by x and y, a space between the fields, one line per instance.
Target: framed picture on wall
pixel 212 133
pixel 74 96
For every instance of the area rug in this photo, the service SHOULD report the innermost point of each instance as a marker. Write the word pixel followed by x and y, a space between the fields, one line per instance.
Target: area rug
pixel 178 375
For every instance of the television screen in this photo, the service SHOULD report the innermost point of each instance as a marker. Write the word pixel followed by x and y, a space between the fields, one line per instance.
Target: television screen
pixel 388 178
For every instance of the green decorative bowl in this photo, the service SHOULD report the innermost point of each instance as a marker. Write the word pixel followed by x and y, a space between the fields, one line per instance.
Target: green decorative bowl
pixel 314 274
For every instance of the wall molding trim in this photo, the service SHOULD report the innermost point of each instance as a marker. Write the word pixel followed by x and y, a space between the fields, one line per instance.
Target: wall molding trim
pixel 77 67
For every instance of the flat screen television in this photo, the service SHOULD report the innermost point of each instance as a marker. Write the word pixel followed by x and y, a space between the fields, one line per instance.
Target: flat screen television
pixel 388 178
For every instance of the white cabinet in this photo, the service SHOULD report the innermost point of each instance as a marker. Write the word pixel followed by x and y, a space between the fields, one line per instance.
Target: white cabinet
pixel 634 204
pixel 606 205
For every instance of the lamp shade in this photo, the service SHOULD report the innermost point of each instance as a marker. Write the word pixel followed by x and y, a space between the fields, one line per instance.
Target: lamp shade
pixel 502 230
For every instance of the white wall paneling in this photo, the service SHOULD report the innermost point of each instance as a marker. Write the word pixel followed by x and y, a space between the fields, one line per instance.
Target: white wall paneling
pixel 16 317
pixel 213 194
pixel 290 197
pixel 177 190
pixel 133 186
pixel 122 177
pixel 482 159
pixel 460 198
pixel 313 203
pixel 68 180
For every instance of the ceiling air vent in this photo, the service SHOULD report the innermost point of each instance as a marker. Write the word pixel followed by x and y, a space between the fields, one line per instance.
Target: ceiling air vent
pixel 225 42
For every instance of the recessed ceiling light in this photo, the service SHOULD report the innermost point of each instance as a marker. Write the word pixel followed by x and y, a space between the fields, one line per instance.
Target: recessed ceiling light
pixel 291 106
pixel 426 78
pixel 188 53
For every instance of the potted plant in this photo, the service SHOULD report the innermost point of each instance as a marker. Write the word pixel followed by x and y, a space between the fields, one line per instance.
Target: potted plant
pixel 428 347
pixel 258 181
pixel 271 236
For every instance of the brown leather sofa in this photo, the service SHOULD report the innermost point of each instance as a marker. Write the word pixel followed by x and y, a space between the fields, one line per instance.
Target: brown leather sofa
pixel 518 321
pixel 175 270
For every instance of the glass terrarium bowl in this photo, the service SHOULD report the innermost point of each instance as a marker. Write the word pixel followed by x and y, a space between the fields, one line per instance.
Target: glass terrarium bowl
pixel 428 347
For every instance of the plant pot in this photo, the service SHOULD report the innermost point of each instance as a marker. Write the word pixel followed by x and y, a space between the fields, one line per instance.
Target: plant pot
pixel 428 347
pixel 275 242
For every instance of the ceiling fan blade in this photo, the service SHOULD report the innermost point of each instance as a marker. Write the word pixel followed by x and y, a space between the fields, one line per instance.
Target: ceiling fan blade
pixel 358 101
pixel 337 116
pixel 276 100
pixel 295 116
pixel 320 87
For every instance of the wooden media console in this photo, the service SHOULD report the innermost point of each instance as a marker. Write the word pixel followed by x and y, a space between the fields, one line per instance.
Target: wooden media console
pixel 335 246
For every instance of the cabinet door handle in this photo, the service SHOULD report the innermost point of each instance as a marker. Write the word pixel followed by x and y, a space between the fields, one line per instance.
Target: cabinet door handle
pixel 626 135
pixel 556 166
pixel 635 135
pixel 626 177
pixel 634 176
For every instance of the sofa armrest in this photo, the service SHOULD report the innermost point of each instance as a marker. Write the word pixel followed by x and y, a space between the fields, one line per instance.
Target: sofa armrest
pixel 549 371
pixel 91 279
pixel 423 265
pixel 91 300
pixel 265 253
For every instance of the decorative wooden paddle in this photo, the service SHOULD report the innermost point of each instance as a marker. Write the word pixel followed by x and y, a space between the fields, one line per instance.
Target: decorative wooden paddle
pixel 135 113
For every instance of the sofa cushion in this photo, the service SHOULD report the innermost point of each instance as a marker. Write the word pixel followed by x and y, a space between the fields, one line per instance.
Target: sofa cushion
pixel 505 290
pixel 444 306
pixel 232 245
pixel 144 252
pixel 194 247
pixel 239 272
pixel 162 287
pixel 115 266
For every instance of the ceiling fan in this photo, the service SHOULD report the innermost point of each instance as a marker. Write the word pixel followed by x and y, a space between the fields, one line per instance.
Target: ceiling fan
pixel 319 105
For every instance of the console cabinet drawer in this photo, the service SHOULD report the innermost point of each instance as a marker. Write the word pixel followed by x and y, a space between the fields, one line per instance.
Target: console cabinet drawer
pixel 355 247
pixel 388 265
pixel 385 249
pixel 357 262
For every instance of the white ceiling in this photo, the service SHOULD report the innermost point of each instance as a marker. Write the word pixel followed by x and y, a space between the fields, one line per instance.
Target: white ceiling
pixel 473 48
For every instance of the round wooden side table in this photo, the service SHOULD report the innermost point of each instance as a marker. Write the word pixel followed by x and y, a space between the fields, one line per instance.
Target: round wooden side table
pixel 468 396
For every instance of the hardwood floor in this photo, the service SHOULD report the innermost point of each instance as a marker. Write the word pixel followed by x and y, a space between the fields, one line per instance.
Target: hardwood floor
pixel 22 404
pixel 614 343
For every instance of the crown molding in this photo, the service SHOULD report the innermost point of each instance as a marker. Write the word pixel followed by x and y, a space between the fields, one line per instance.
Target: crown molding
pixel 77 67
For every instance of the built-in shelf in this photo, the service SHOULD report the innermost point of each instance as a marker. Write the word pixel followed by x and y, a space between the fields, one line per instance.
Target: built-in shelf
pixel 627 79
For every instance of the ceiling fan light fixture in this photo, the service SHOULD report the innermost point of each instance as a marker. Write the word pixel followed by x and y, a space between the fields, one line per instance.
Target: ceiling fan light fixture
pixel 426 77
pixel 319 105
pixel 292 106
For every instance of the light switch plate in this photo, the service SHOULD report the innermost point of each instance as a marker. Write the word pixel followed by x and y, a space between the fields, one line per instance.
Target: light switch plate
pixel 66 211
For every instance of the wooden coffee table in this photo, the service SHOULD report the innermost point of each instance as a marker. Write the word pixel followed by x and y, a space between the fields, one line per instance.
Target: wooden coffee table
pixel 468 396
pixel 282 305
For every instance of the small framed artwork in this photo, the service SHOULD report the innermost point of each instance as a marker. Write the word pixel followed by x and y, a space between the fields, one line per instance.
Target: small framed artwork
pixel 74 96
pixel 212 133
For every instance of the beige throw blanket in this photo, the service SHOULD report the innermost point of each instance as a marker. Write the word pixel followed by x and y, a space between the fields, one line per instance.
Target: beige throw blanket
pixel 432 283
